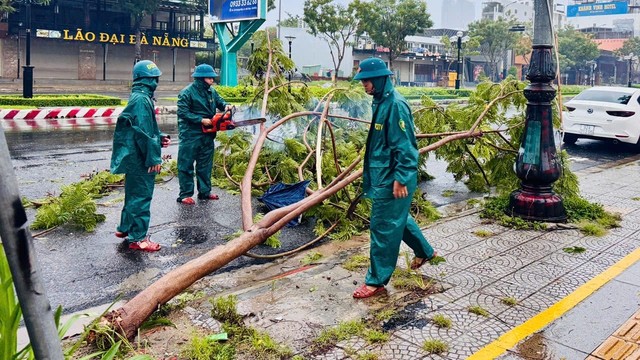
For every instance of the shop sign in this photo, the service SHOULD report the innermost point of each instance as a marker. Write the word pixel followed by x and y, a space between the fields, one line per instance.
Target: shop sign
pixel 114 38
pixel 596 9
pixel 236 10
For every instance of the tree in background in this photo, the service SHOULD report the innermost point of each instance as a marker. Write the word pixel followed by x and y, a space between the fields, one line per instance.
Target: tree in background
pixel 575 49
pixel 138 10
pixel 494 39
pixel 334 23
pixel 388 22
pixel 291 21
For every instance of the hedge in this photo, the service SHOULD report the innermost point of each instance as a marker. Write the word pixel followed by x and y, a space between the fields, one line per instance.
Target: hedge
pixel 60 100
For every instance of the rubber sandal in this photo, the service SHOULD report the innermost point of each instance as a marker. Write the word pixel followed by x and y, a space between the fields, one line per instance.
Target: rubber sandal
pixel 144 245
pixel 209 197
pixel 121 234
pixel 363 292
pixel 415 264
pixel 187 201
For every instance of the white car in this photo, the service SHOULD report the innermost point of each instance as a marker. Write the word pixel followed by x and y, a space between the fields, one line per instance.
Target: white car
pixel 603 112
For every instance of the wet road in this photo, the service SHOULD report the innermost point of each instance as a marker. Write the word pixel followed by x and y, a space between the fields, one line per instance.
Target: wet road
pixel 86 269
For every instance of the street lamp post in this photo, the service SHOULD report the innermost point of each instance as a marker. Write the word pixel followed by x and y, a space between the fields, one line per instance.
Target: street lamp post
pixel 290 38
pixel 631 58
pixel 537 164
pixel 27 70
pixel 459 34
pixel 459 39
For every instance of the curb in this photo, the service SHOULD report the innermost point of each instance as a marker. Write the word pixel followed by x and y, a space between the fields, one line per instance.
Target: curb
pixel 65 118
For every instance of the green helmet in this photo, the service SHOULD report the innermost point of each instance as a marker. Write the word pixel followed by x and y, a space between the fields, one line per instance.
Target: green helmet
pixel 371 68
pixel 204 71
pixel 145 68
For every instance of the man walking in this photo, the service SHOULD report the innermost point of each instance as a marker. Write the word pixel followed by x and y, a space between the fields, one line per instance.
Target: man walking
pixel 390 178
pixel 136 153
pixel 197 104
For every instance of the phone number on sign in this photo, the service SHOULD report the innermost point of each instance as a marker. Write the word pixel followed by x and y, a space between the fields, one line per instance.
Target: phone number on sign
pixel 239 3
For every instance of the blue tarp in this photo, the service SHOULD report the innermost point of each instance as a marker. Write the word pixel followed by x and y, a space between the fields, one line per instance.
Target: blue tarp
pixel 280 195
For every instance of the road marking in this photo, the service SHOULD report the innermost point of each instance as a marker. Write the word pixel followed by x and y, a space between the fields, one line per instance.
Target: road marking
pixel 512 337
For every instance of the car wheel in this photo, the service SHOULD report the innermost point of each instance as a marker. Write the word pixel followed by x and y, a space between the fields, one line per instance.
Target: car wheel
pixel 570 139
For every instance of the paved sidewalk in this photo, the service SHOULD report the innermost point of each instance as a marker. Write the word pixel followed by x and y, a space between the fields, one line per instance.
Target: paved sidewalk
pixel 576 300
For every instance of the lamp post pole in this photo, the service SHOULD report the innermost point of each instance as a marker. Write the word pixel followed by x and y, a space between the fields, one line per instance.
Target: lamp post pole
pixel 27 70
pixel 537 164
pixel 629 70
pixel 459 71
pixel 290 38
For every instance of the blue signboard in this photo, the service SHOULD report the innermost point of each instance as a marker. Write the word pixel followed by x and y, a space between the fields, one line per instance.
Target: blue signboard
pixel 235 10
pixel 595 9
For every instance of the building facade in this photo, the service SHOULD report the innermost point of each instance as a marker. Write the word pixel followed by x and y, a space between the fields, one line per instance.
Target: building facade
pixel 95 39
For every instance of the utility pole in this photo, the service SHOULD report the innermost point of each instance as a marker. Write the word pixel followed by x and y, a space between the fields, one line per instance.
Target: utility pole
pixel 21 256
pixel 537 165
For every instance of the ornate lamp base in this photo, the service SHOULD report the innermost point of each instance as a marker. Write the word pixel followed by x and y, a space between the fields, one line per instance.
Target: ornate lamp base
pixel 536 203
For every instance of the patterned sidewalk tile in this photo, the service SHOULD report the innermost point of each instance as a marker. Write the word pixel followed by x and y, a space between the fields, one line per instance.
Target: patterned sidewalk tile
pixel 501 242
pixel 490 269
pixel 597 243
pixel 528 279
pixel 624 248
pixel 444 244
pixel 539 301
pixel 568 260
pixel 606 258
pixel 507 260
pixel 480 251
pixel 516 315
pixel 490 303
pixel 548 270
pixel 461 261
pixel 504 289
pixel 464 239
pixel 525 253
pixel 464 283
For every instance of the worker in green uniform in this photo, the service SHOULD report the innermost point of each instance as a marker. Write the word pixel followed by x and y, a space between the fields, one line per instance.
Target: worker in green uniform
pixel 136 153
pixel 197 104
pixel 389 179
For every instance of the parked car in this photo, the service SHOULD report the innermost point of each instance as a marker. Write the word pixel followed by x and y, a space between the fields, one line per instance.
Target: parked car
pixel 603 112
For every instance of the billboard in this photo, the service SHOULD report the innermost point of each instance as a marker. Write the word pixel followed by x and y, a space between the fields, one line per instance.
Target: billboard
pixel 236 10
pixel 595 9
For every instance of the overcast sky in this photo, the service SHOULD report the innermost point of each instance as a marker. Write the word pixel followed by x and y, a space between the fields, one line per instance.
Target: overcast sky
pixel 294 7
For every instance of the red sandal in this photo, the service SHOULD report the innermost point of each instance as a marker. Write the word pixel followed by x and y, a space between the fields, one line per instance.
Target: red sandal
pixel 209 197
pixel 417 264
pixel 364 292
pixel 144 245
pixel 187 201
pixel 121 234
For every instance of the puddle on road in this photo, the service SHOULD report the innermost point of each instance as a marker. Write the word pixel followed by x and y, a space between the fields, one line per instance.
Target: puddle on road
pixel 190 234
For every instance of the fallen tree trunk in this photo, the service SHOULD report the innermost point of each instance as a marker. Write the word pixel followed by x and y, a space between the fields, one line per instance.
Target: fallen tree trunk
pixel 130 316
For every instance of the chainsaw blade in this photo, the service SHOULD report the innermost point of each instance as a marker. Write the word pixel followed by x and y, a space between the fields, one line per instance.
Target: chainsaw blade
pixel 249 122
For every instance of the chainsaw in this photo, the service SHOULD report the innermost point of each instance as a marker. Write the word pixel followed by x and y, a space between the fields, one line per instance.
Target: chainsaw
pixel 223 121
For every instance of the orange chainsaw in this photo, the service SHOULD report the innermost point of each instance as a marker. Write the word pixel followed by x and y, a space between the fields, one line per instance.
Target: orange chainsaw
pixel 223 121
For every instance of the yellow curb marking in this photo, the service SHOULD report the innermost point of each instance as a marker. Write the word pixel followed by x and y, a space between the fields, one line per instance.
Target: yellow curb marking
pixel 512 337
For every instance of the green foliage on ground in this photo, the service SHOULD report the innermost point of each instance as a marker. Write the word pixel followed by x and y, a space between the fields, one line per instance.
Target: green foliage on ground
pixel 250 343
pixel 84 100
pixel 435 346
pixel 76 204
pixel 356 262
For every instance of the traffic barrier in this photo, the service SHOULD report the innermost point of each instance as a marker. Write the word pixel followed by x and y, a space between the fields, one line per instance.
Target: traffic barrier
pixel 64 118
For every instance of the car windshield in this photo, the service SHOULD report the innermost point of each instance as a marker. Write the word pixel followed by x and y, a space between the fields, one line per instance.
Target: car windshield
pixel 605 96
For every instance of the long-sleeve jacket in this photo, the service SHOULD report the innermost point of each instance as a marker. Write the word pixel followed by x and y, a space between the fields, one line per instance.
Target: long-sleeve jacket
pixel 137 138
pixel 392 152
pixel 195 102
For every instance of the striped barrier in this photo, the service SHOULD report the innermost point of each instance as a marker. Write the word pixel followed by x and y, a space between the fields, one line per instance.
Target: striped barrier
pixel 55 124
pixel 64 118
pixel 60 113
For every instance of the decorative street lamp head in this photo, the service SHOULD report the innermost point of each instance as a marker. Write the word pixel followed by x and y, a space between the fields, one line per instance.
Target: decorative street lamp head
pixel 459 33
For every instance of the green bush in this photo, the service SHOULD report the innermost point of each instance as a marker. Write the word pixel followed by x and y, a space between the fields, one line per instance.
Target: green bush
pixel 60 100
